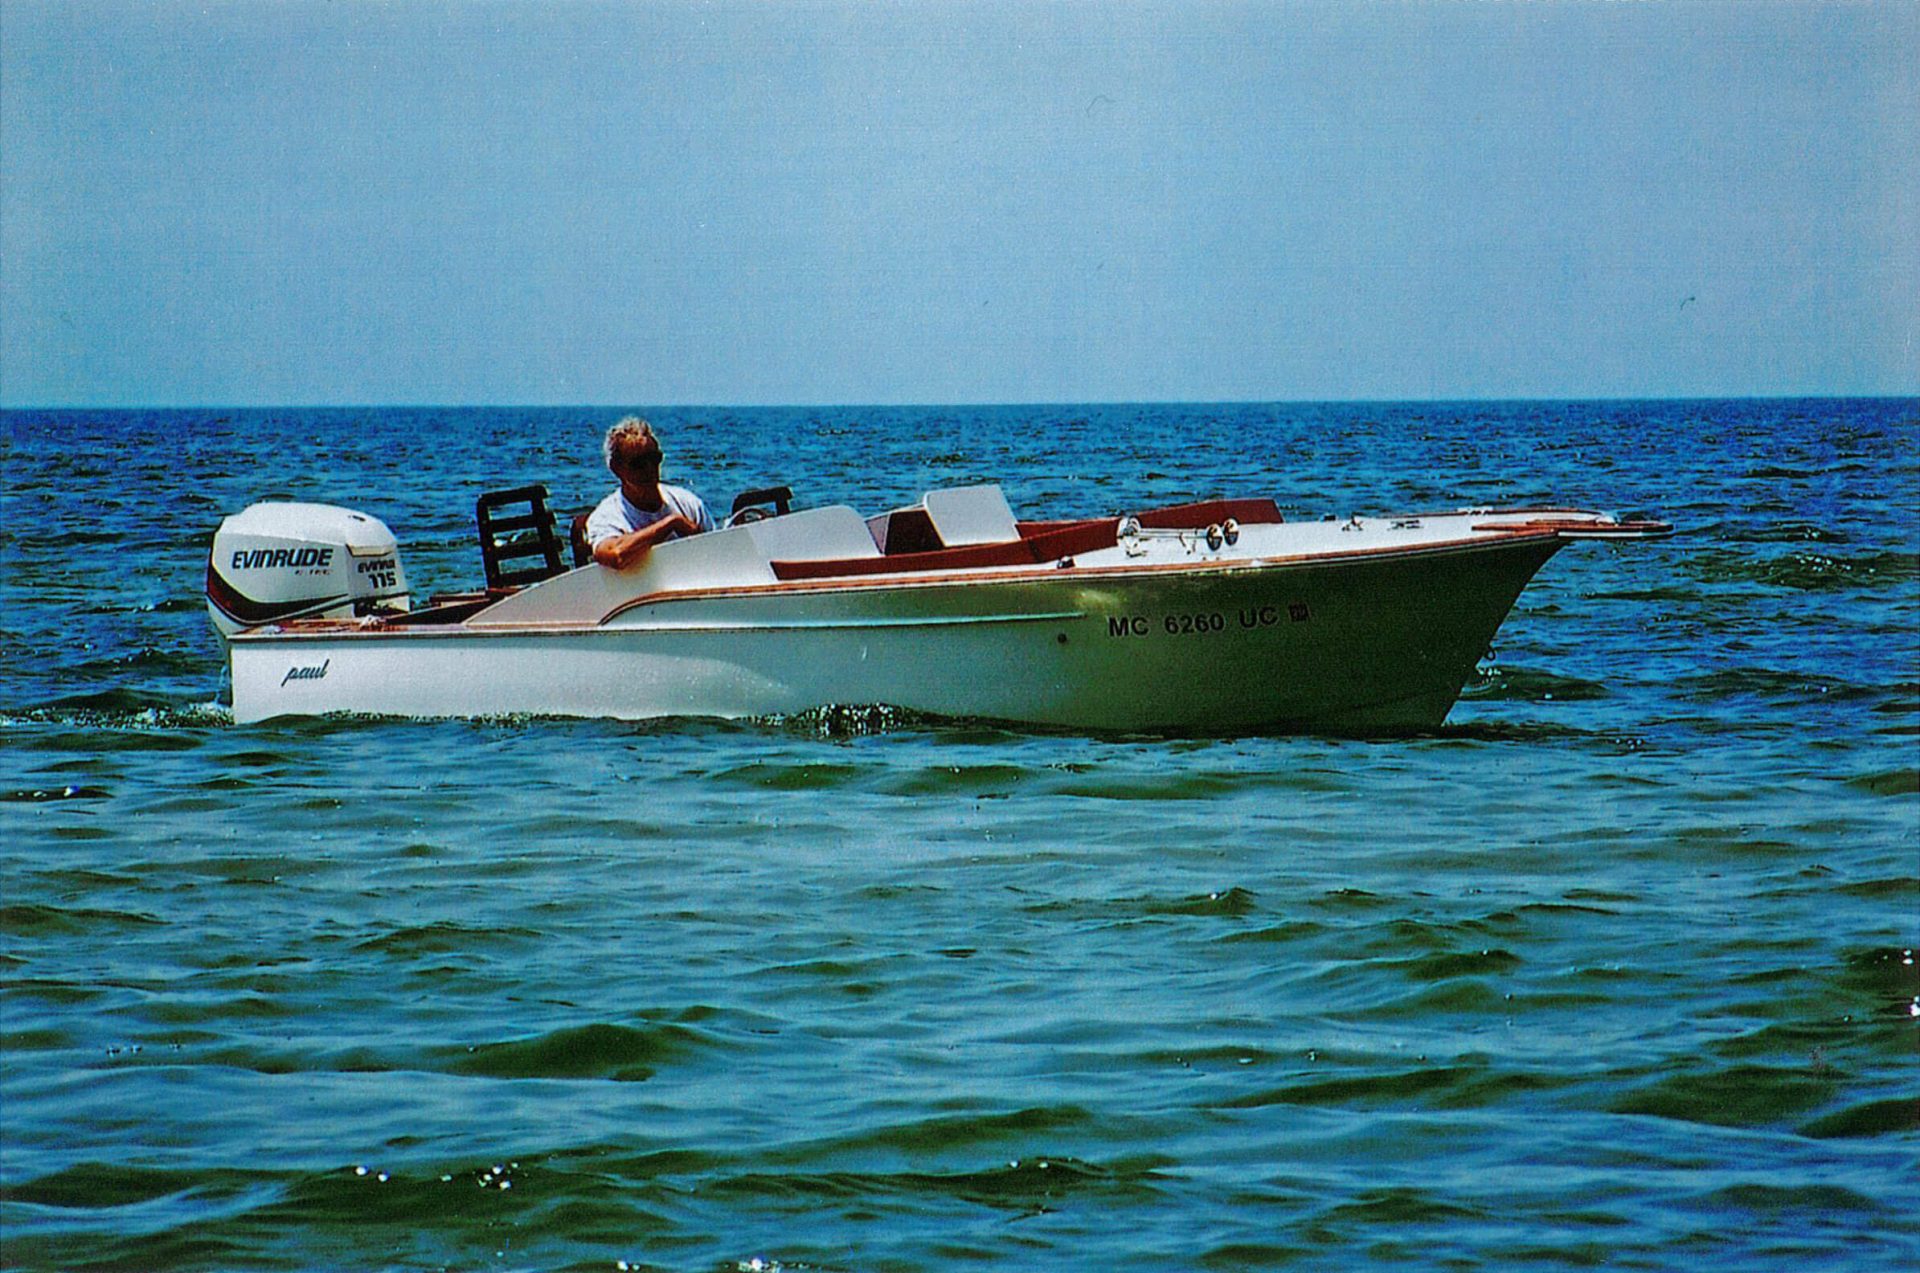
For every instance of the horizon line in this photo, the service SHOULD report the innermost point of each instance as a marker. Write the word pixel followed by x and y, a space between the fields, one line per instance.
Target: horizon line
pixel 928 405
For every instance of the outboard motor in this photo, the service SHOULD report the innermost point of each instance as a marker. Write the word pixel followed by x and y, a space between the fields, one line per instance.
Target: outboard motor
pixel 276 561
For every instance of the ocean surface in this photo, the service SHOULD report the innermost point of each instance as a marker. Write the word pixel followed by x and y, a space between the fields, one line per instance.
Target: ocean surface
pixel 1616 969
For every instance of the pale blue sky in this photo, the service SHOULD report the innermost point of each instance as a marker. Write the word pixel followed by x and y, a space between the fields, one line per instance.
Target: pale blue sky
pixel 306 203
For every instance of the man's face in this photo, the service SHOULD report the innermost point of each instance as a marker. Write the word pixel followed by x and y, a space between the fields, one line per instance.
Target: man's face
pixel 639 477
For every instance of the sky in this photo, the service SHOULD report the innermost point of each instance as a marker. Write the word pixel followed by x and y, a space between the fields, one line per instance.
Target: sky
pixel 306 203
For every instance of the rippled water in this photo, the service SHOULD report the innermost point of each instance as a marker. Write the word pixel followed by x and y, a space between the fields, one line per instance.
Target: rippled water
pixel 1616 969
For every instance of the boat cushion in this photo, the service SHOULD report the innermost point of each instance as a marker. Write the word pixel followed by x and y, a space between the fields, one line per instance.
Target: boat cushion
pixel 966 515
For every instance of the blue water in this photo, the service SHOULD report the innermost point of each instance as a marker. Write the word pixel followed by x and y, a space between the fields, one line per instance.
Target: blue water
pixel 1616 969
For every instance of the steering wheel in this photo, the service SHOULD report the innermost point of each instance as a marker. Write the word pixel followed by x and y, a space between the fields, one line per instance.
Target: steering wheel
pixel 749 514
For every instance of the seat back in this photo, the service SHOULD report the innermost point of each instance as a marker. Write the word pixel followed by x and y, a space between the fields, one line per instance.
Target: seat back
pixel 966 515
pixel 577 535
pixel 781 497
pixel 518 544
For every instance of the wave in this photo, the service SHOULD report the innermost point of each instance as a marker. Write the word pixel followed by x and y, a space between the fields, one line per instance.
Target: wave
pixel 99 1185
pixel 146 659
pixel 947 1133
pixel 1525 732
pixel 1178 785
pixel 1906 886
pixel 1893 1117
pixel 1772 683
pixel 1027 1185
pixel 1884 977
pixel 850 720
pixel 979 780
pixel 1433 1086
pixel 1787 531
pixel 1901 696
pixel 1889 782
pixel 443 937
pixel 122 709
pixel 1445 965
pixel 1530 685
pixel 1664 592
pixel 54 990
pixel 622 1054
pixel 28 795
pixel 1805 571
pixel 1818 1201
pixel 1230 903
pixel 1734 1095
pixel 798 776
pixel 34 919
pixel 1278 934
pixel 1401 1206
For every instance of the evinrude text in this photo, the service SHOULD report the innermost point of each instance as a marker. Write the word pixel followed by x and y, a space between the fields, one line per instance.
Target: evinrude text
pixel 280 558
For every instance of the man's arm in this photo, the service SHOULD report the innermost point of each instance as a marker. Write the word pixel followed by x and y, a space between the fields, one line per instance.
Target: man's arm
pixel 618 552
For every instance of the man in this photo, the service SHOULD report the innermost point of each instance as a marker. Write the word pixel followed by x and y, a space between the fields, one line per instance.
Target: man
pixel 645 511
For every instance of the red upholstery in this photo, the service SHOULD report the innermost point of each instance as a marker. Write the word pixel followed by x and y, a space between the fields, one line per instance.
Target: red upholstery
pixel 1012 553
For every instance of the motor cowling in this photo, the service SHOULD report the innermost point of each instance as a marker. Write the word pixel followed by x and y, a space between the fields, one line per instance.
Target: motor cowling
pixel 277 561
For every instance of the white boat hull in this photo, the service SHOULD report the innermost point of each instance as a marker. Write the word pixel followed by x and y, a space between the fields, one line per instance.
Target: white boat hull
pixel 1363 642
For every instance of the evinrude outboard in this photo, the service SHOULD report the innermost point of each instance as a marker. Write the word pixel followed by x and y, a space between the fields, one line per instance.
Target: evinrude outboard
pixel 273 562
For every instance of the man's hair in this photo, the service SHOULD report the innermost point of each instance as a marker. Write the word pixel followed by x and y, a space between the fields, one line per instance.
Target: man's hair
pixel 631 445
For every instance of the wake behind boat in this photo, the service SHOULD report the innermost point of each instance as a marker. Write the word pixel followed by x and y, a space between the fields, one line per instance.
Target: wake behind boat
pixel 1208 617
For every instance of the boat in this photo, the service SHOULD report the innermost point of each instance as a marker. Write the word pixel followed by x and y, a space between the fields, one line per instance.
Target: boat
pixel 1208 617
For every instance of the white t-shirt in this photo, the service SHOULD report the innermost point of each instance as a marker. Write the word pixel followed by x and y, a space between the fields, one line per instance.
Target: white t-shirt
pixel 615 515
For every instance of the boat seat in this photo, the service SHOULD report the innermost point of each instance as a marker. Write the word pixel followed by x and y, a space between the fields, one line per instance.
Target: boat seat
pixel 577 536
pixel 509 534
pixel 964 515
pixel 779 497
pixel 905 530
pixel 954 517
pixel 814 534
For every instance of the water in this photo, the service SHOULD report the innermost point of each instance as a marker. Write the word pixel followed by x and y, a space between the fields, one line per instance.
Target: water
pixel 1618 968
